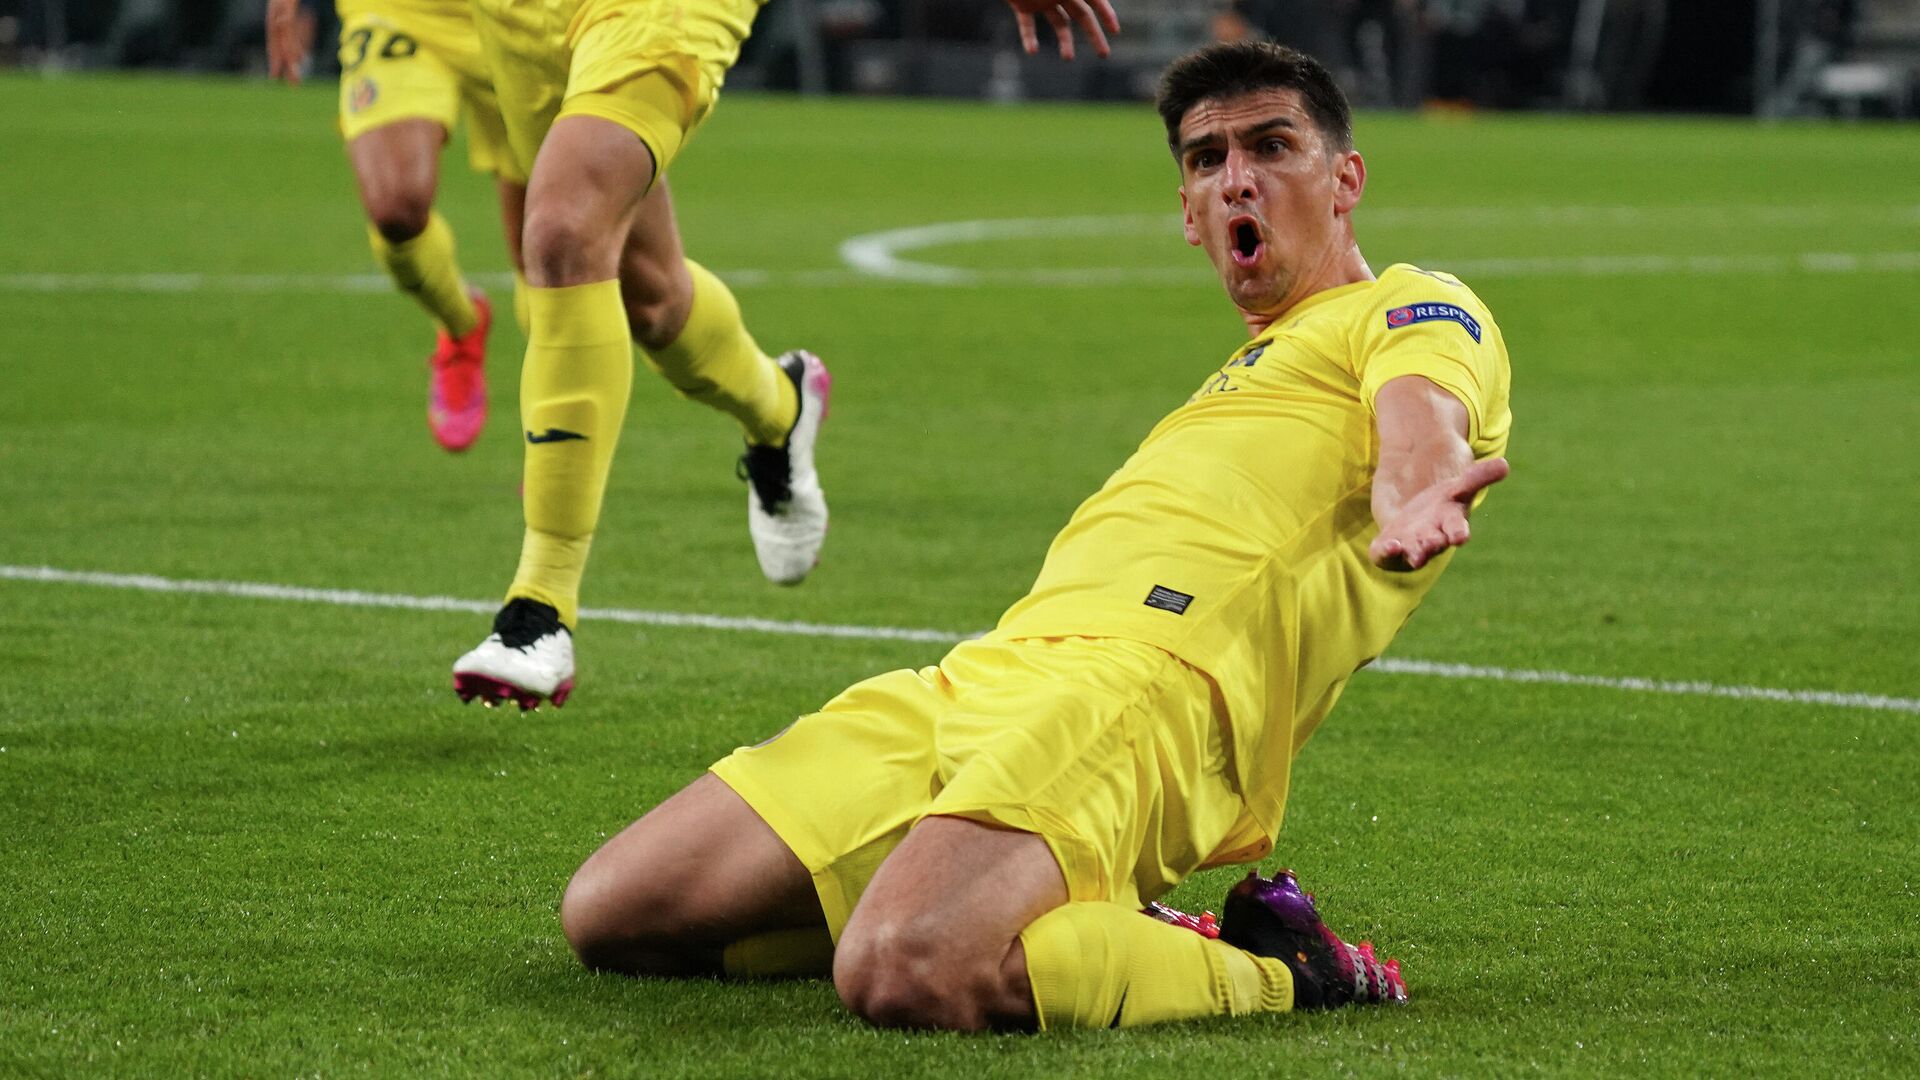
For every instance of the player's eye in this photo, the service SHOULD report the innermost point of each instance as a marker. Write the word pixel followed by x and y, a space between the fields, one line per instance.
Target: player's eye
pixel 1206 159
pixel 1273 145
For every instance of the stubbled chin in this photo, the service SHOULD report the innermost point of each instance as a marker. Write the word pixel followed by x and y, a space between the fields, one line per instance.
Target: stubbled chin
pixel 1242 279
pixel 1253 291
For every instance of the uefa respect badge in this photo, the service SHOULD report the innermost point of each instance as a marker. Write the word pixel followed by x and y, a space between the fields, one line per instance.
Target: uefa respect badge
pixel 1419 313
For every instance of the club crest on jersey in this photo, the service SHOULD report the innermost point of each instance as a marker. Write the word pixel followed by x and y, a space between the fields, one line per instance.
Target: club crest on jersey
pixel 1419 313
pixel 365 92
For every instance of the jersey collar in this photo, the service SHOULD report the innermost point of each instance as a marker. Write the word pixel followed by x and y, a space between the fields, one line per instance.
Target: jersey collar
pixel 1292 314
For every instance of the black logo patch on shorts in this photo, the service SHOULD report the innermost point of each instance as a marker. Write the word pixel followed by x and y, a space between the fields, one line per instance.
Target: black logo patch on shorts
pixel 1168 600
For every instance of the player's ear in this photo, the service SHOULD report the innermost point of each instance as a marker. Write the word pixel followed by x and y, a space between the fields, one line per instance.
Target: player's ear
pixel 1186 215
pixel 1350 181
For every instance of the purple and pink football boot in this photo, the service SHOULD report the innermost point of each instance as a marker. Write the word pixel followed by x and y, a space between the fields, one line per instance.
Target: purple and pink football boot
pixel 1273 917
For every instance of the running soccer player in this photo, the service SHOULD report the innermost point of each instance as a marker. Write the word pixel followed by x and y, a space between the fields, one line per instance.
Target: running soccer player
pixel 970 845
pixel 408 70
pixel 598 98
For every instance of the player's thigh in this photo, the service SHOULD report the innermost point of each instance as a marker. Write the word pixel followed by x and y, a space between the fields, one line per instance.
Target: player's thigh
pixel 935 939
pixel 842 786
pixel 702 867
pixel 953 897
pixel 396 168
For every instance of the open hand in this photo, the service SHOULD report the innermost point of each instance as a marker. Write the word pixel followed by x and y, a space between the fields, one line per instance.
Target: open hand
pixel 1434 519
pixel 289 40
pixel 1089 15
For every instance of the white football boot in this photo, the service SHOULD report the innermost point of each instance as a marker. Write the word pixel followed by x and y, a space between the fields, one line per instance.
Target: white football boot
pixel 786 510
pixel 527 659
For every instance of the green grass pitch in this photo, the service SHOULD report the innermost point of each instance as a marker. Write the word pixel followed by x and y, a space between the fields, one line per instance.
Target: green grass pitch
pixel 250 838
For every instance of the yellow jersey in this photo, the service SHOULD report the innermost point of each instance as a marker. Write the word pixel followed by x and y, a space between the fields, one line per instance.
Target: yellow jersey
pixel 1236 536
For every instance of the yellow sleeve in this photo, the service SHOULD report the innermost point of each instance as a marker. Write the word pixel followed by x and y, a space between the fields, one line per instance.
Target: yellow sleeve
pixel 1433 326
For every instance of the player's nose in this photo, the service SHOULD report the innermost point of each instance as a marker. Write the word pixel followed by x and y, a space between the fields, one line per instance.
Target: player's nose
pixel 1237 180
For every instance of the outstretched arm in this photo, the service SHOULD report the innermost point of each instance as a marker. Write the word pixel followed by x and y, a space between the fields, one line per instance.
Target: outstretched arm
pixel 289 39
pixel 1063 16
pixel 1427 476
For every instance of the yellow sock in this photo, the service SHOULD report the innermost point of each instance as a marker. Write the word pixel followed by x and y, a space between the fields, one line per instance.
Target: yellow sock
pixel 573 399
pixel 520 312
pixel 780 954
pixel 1097 965
pixel 716 362
pixel 425 269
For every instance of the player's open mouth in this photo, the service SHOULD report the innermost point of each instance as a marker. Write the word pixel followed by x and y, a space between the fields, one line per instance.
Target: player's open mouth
pixel 1247 241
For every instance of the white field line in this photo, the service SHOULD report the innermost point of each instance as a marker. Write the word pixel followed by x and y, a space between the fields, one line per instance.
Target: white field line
pixel 354 598
pixel 338 283
pixel 255 590
pixel 874 270
pixel 1649 686
pixel 881 255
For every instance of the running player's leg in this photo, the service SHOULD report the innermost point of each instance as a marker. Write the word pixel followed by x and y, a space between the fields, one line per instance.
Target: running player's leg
pixel 699 886
pixel 689 324
pixel 397 169
pixel 601 245
pixel 586 173
pixel 598 117
pixel 586 183
pixel 401 93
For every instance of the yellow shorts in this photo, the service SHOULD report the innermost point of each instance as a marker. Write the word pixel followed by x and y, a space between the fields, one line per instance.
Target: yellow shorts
pixel 1112 751
pixel 652 66
pixel 409 65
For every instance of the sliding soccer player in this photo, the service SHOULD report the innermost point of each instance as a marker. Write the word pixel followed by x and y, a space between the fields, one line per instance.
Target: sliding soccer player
pixel 970 845
pixel 409 69
pixel 598 97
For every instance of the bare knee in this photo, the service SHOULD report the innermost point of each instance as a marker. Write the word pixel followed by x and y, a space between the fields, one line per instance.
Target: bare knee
pixel 590 917
pixel 564 245
pixel 666 894
pixel 397 168
pixel 623 919
pixel 399 213
pixel 907 974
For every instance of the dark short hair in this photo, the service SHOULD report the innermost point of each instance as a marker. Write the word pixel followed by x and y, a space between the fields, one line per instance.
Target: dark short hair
pixel 1231 69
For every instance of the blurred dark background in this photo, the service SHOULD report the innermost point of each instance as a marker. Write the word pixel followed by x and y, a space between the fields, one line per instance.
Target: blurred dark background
pixel 1844 58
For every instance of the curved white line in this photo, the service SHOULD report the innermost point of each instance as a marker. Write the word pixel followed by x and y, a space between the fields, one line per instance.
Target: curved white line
pixel 879 253
pixel 883 254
